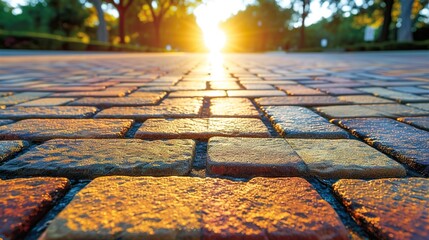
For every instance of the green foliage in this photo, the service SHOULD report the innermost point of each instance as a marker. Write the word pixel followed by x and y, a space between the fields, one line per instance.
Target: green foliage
pixel 61 17
pixel 388 46
pixel 260 27
pixel 41 41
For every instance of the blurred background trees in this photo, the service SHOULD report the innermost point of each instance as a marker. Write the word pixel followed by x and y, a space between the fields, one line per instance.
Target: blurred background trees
pixel 263 25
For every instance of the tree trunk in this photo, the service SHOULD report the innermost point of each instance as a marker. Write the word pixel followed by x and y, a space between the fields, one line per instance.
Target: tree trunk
pixel 387 20
pixel 157 29
pixel 302 30
pixel 121 12
pixel 102 34
pixel 404 33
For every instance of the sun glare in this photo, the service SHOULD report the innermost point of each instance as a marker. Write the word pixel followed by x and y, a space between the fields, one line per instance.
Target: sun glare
pixel 209 16
pixel 214 39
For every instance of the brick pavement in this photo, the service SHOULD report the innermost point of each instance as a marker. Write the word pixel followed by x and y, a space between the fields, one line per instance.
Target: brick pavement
pixel 184 146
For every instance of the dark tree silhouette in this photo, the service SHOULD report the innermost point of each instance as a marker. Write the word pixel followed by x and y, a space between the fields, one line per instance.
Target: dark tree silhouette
pixel 121 6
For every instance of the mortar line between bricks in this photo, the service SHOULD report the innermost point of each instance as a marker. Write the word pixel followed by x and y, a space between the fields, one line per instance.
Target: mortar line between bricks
pixel 38 229
pixel 271 129
pixel 325 191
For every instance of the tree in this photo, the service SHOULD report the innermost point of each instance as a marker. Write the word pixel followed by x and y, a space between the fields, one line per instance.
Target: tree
pixel 68 16
pixel 304 13
pixel 262 26
pixel 102 33
pixel 155 11
pixel 122 7
pixel 387 20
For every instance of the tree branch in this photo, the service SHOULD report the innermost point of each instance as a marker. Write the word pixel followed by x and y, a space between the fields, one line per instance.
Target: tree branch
pixel 152 11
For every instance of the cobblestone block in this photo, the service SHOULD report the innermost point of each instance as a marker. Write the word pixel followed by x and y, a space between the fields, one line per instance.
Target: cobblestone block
pixel 9 148
pixel 251 86
pixel 299 90
pixel 400 140
pixel 22 97
pixel 44 129
pixel 341 91
pixel 91 158
pixel 349 111
pixel 394 95
pixel 5 122
pixel 232 107
pixel 47 112
pixel 420 122
pixel 24 201
pixel 388 208
pixel 299 101
pixel 206 93
pixel 224 85
pixel 117 101
pixel 248 157
pixel 196 208
pixel 145 112
pixel 364 99
pixel 201 128
pixel 397 110
pixel 254 93
pixel 423 106
pixel 47 102
pixel 299 122
pixel 345 159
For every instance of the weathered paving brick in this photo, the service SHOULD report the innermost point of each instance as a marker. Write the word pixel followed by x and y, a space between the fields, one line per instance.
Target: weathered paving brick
pixel 182 101
pixel 44 129
pixel 144 112
pixel 299 122
pixel 201 128
pixel 5 121
pixel 224 85
pixel 206 93
pixel 156 96
pixel 341 91
pixel 402 141
pixel 420 122
pixel 118 101
pixel 5 94
pixel 413 90
pixel 345 158
pixel 423 106
pixel 251 86
pixel 110 92
pixel 299 90
pixel 232 107
pixel 397 96
pixel 47 112
pixel 388 208
pixel 247 157
pixel 47 102
pixel 349 111
pixel 24 201
pixel 397 110
pixel 299 101
pixel 254 93
pixel 91 158
pixel 22 97
pixel 364 99
pixel 197 208
pixel 9 148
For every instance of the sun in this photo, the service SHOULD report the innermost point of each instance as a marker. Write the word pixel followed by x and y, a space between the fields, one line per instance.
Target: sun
pixel 209 16
pixel 214 39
